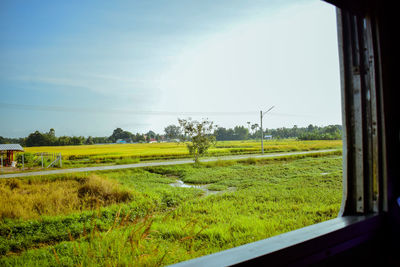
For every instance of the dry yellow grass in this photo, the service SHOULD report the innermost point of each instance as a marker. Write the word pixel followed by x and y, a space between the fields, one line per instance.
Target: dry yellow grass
pixel 32 198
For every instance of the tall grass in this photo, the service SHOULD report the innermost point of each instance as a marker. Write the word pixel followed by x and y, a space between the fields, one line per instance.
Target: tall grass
pixel 27 199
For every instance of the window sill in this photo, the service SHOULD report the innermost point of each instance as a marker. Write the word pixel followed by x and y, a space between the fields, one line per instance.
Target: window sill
pixel 303 246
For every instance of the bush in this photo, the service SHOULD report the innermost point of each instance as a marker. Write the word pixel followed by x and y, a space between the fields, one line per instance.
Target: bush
pixel 28 158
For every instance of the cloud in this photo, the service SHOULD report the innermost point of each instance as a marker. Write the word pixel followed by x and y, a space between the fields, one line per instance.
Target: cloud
pixel 288 59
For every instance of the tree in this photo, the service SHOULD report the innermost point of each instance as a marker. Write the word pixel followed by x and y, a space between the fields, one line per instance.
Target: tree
pixel 52 132
pixel 36 139
pixel 51 138
pixel 200 135
pixel 77 140
pixel 241 133
pixel 100 140
pixel 89 141
pixel 118 133
pixel 172 131
pixel 221 133
pixel 151 134
pixel 254 127
pixel 139 137
pixel 64 141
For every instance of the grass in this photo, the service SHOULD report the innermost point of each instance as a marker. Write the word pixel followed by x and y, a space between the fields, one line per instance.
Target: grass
pixel 161 224
pixel 32 198
pixel 91 155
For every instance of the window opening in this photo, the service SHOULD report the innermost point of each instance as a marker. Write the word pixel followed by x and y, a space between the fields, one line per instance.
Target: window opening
pixel 128 208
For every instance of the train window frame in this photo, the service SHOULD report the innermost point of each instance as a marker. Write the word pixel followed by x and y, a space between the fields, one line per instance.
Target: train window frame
pixel 365 196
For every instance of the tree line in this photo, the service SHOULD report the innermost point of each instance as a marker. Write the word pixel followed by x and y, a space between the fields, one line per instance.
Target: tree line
pixel 311 132
pixel 176 133
pixel 50 139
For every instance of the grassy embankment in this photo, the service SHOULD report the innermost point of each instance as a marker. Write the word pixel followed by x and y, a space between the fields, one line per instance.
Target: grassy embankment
pixel 135 217
pixel 91 155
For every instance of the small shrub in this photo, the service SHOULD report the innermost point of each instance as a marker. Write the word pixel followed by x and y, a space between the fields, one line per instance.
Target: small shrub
pixel 28 158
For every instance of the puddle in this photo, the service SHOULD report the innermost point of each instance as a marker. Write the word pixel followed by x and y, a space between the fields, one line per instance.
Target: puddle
pixel 180 183
pixel 324 173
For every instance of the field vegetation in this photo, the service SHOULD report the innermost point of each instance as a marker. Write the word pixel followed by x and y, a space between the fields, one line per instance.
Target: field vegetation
pixel 136 217
pixel 31 198
pixel 92 155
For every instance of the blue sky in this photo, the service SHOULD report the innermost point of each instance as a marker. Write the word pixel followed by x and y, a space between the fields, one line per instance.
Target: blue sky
pixel 87 67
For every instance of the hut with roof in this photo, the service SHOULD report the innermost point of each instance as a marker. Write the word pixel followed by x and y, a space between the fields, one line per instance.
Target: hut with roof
pixel 7 153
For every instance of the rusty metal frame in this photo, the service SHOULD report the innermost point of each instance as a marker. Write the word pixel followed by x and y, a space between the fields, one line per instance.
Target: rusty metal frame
pixel 363 127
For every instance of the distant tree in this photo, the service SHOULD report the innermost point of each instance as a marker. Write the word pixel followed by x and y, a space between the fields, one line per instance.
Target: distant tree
pixel 330 132
pixel 139 137
pixel 151 134
pixel 89 141
pixel 51 138
pixel 118 133
pixel 100 140
pixel 64 141
pixel 52 132
pixel 200 135
pixel 241 133
pixel 295 131
pixel 36 139
pixel 77 140
pixel 172 131
pixel 221 134
pixel 41 139
pixel 254 127
pixel 238 133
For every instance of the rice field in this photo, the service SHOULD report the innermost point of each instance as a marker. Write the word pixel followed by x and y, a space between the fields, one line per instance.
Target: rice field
pixel 91 155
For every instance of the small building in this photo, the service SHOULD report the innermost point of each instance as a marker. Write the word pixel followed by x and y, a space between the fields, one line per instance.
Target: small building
pixel 268 137
pixel 7 153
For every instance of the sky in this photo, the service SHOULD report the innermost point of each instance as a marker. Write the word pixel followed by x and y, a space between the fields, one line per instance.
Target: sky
pixel 85 68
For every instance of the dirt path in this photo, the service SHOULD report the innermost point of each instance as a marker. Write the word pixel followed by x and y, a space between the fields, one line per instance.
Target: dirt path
pixel 160 163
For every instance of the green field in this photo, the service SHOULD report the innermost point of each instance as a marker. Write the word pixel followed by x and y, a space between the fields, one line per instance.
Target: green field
pixel 92 155
pixel 141 217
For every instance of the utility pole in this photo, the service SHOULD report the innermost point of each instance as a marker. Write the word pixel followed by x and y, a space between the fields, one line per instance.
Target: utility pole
pixel 261 126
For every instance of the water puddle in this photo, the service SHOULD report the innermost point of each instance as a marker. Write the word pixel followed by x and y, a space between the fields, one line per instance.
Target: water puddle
pixel 180 183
